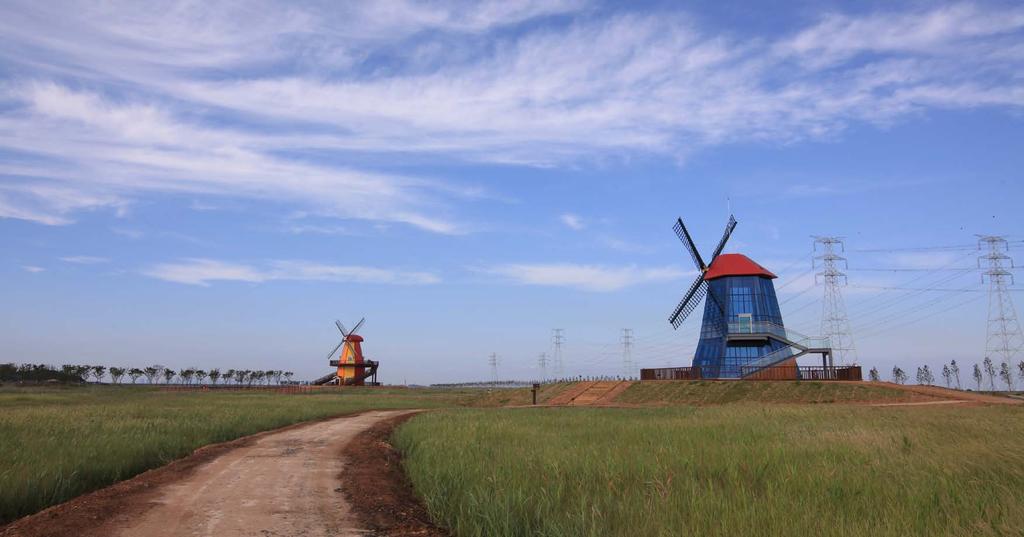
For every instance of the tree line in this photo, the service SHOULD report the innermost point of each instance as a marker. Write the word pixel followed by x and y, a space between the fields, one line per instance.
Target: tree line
pixel 951 375
pixel 154 374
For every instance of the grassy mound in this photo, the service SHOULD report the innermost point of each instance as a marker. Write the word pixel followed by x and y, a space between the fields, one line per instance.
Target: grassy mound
pixel 721 470
pixel 702 392
pixel 486 397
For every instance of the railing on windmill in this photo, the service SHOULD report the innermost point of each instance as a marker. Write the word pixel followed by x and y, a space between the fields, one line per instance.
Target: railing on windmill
pixel 816 373
pixel 790 372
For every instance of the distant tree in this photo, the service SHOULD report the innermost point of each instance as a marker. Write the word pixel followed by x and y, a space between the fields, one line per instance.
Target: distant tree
pixel 185 375
pixel 288 374
pixel 1020 366
pixel 898 375
pixel 873 374
pixel 98 371
pixel 955 369
pixel 240 376
pixel 229 375
pixel 168 375
pixel 69 370
pixel 83 371
pixel 134 374
pixel 947 375
pixel 151 373
pixel 200 376
pixel 977 376
pixel 929 377
pixel 990 370
pixel 920 376
pixel 117 373
pixel 1006 374
pixel 214 376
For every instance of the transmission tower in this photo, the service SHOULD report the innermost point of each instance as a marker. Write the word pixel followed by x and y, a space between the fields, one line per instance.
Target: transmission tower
pixel 834 322
pixel 558 339
pixel 493 361
pixel 627 352
pixel 1003 339
pixel 542 361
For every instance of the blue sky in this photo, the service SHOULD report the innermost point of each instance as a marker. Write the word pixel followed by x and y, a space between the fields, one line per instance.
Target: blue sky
pixel 212 185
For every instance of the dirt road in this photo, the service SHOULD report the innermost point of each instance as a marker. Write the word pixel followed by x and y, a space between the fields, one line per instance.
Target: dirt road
pixel 284 484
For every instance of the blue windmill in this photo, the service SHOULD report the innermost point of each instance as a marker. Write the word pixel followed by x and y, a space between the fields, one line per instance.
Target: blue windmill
pixel 742 332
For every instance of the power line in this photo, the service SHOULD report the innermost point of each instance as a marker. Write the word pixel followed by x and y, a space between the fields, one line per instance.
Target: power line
pixel 890 328
pixel 916 248
pixel 922 289
pixel 901 313
pixel 901 269
pixel 972 247
pixel 900 298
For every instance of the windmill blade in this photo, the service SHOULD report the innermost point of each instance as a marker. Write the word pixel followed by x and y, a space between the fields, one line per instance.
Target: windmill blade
pixel 684 236
pixel 725 237
pixel 331 355
pixel 718 302
pixel 341 328
pixel 689 301
pixel 358 325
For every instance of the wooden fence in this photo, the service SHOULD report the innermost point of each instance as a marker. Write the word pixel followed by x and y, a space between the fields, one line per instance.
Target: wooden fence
pixel 785 372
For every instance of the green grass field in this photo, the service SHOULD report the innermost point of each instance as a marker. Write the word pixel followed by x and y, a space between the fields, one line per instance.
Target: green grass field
pixel 57 443
pixel 702 392
pixel 743 469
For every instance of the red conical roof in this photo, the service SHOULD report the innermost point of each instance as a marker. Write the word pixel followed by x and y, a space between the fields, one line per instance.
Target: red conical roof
pixel 735 265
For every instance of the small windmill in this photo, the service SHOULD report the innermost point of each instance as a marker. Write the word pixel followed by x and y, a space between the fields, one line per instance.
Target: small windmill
pixel 700 285
pixel 353 369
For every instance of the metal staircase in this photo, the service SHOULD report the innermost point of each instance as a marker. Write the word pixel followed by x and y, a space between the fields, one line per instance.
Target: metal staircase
pixel 795 344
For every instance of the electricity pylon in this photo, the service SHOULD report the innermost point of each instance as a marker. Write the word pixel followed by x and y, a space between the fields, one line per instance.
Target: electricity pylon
pixel 558 339
pixel 627 352
pixel 835 324
pixel 1003 338
pixel 493 361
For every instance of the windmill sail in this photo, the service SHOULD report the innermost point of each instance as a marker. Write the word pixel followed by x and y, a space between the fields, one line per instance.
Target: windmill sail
pixel 725 238
pixel 689 301
pixel 684 236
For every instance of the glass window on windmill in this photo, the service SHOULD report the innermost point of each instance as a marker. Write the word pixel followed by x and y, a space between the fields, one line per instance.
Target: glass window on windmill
pixel 741 301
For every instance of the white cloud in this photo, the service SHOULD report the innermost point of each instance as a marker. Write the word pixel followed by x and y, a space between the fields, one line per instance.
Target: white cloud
pixel 33 269
pixel 144 148
pixel 205 271
pixel 573 221
pixel 84 259
pixel 298 229
pixel 110 101
pixel 584 277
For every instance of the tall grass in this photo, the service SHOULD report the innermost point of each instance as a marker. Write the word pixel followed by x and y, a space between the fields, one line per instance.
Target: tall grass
pixel 719 392
pixel 724 470
pixel 58 443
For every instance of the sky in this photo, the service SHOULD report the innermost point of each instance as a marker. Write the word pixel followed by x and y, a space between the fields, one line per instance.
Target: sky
pixel 212 184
